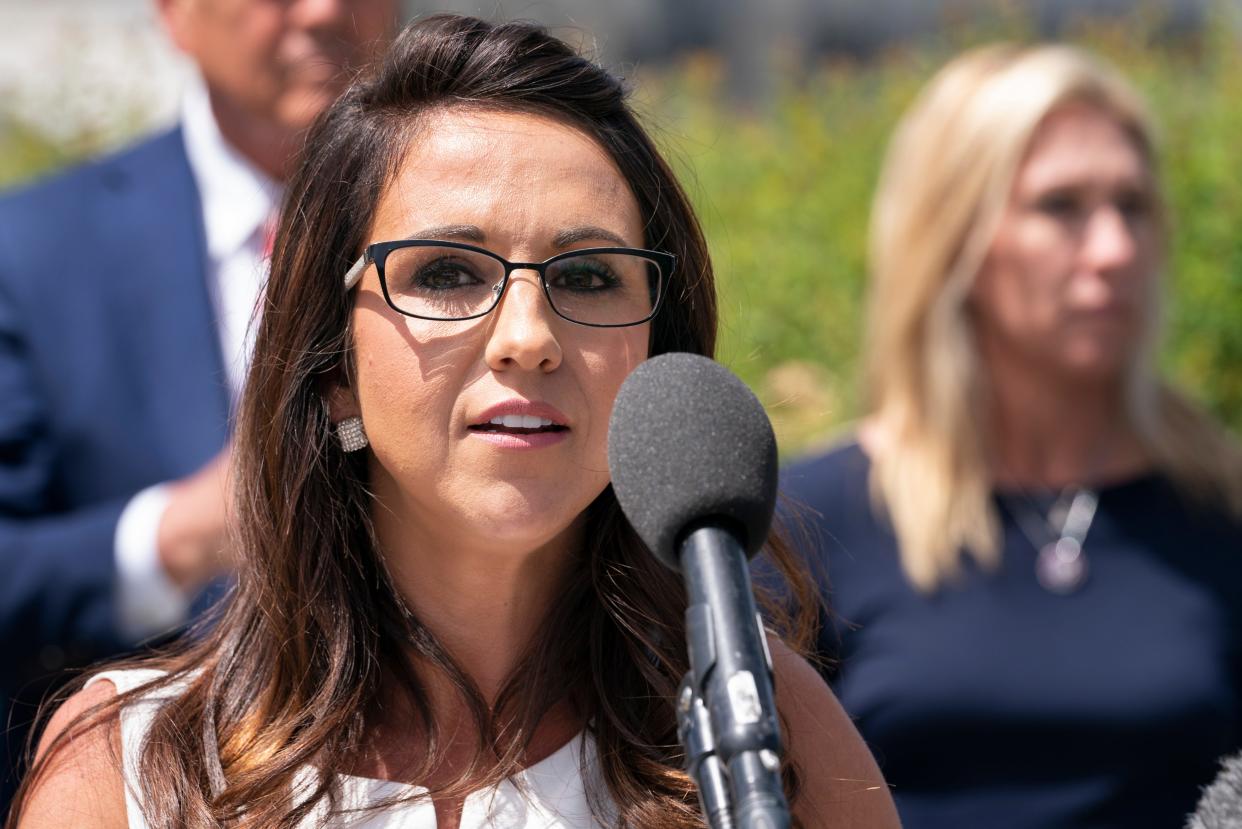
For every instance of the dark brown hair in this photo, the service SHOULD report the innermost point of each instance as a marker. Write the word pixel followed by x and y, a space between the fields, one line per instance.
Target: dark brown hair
pixel 290 675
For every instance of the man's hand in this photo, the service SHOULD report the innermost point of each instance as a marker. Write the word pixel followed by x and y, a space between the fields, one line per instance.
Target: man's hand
pixel 194 541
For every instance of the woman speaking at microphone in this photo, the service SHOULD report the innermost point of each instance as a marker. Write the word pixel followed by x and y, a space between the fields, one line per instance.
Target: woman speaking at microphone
pixel 442 619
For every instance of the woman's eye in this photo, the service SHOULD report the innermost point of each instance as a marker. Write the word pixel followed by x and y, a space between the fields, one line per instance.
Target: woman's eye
pixel 445 276
pixel 581 276
pixel 1133 205
pixel 1059 205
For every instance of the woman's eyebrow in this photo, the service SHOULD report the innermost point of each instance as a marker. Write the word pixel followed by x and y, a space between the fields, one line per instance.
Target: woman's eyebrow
pixel 468 233
pixel 582 233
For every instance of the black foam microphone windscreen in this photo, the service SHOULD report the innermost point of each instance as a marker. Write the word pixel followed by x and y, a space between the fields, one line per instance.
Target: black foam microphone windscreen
pixel 689 443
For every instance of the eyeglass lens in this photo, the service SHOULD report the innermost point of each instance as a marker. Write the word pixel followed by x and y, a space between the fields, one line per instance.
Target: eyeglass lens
pixel 452 283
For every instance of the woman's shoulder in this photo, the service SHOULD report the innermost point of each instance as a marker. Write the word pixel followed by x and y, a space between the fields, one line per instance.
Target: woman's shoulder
pixel 77 779
pixel 841 463
pixel 87 752
pixel 841 784
pixel 845 453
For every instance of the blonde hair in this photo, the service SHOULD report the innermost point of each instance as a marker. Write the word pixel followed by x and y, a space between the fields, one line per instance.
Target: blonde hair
pixel 946 180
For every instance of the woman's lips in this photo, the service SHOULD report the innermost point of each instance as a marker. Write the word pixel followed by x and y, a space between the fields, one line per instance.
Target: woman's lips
pixel 520 424
pixel 520 440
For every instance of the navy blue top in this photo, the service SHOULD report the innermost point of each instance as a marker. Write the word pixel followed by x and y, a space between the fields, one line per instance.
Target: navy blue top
pixel 995 703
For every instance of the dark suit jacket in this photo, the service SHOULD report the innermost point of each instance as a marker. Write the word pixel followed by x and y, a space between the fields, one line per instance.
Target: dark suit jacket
pixel 111 379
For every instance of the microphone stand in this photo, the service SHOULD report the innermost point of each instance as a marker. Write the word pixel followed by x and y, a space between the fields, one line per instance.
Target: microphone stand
pixel 726 712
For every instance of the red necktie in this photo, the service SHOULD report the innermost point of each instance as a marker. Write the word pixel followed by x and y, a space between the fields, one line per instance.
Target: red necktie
pixel 269 234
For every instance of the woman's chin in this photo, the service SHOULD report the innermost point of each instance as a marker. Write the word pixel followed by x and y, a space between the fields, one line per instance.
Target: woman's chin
pixel 528 525
pixel 1096 364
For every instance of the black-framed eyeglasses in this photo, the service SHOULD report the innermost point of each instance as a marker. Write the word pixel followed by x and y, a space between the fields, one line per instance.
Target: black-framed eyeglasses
pixel 448 281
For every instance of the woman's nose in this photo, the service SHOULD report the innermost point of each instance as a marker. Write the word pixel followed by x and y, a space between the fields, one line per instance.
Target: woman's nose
pixel 522 328
pixel 323 14
pixel 1109 242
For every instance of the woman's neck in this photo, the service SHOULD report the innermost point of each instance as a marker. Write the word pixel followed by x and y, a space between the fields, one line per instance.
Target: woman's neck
pixel 483 600
pixel 484 612
pixel 484 604
pixel 1051 432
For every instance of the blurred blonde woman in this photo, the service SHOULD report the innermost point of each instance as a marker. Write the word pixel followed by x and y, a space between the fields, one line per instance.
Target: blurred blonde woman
pixel 1033 544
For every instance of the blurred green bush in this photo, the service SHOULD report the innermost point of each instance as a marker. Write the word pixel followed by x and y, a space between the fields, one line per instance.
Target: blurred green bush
pixel 25 153
pixel 784 194
pixel 784 190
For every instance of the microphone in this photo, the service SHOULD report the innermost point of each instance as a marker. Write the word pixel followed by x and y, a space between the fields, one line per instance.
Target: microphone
pixel 1220 807
pixel 693 463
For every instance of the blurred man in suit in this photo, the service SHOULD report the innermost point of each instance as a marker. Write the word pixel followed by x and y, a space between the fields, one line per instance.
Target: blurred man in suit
pixel 127 288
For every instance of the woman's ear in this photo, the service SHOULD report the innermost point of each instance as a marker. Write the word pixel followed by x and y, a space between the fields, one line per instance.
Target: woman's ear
pixel 342 402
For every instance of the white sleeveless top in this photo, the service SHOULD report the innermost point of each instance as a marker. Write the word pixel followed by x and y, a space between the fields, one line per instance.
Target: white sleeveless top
pixel 551 794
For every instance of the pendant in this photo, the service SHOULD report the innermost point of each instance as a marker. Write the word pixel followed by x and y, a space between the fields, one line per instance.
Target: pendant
pixel 1061 567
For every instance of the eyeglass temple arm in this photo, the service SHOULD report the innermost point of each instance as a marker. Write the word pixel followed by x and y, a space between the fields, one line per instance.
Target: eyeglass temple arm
pixel 355 273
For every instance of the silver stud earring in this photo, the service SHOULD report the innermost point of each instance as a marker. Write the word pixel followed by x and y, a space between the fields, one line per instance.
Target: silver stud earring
pixel 351 434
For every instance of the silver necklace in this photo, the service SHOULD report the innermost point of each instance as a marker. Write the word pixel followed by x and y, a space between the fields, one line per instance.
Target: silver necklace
pixel 1061 564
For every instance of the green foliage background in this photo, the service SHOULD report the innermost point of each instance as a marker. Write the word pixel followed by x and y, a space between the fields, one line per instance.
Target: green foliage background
pixel 784 187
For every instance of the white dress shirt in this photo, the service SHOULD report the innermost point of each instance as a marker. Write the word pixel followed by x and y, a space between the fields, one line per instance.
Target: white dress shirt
pixel 239 203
